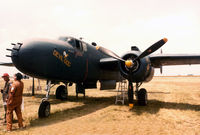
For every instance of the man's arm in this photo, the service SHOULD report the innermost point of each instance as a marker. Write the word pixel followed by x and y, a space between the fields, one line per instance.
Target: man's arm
pixel 9 85
pixel 11 93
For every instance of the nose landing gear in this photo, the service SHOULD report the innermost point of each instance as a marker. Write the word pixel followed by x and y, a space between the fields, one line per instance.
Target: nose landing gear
pixel 45 106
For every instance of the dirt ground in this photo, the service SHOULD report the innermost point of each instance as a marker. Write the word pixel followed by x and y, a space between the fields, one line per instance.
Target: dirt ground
pixel 173 109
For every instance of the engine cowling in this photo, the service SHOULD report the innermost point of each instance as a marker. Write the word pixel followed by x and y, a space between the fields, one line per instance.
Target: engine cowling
pixel 141 71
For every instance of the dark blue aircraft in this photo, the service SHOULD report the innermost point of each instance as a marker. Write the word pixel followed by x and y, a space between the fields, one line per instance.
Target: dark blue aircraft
pixel 70 60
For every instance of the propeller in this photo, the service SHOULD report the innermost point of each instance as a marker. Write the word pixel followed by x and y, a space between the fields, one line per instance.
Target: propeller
pixel 108 53
pixel 153 48
pixel 130 63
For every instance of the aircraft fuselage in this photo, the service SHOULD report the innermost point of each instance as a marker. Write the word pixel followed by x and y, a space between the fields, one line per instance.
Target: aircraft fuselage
pixel 61 60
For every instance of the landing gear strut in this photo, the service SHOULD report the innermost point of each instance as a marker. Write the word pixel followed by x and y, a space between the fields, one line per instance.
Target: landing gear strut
pixel 130 92
pixel 80 89
pixel 45 107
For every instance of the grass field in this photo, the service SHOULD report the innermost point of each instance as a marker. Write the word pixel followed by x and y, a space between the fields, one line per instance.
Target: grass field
pixel 173 109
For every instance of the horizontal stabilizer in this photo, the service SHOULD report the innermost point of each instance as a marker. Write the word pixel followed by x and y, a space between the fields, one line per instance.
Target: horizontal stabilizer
pixel 7 64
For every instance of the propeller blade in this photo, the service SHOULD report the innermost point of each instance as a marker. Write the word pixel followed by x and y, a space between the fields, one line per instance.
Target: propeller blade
pixel 153 48
pixel 130 63
pixel 109 53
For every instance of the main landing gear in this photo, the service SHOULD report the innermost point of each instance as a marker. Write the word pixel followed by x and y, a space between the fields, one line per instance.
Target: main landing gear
pixel 61 92
pixel 45 107
pixel 80 89
pixel 141 95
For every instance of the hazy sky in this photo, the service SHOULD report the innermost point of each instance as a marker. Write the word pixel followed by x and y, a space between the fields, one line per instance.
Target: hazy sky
pixel 114 24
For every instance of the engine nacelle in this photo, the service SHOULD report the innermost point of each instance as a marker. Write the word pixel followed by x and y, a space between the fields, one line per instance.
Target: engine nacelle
pixel 142 71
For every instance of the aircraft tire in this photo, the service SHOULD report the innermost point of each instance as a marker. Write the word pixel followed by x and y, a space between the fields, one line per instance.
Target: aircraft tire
pixel 61 92
pixel 44 109
pixel 142 97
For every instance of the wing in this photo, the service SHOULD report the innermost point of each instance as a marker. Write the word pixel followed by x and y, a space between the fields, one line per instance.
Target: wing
pixel 7 64
pixel 168 59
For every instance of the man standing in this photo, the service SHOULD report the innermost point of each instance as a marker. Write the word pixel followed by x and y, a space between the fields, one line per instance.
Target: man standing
pixel 5 92
pixel 14 101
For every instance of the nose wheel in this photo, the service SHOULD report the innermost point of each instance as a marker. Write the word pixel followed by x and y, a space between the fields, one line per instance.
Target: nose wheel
pixel 44 109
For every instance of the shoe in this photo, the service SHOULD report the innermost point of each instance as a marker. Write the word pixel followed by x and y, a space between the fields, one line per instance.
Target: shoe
pixel 22 127
pixel 4 122
pixel 5 130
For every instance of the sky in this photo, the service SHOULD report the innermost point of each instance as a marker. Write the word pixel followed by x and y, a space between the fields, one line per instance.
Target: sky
pixel 114 24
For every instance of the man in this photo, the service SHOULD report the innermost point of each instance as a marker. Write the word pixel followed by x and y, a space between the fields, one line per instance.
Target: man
pixel 14 101
pixel 5 92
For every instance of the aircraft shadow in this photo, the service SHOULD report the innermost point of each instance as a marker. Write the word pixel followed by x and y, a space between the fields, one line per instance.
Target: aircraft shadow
pixel 154 106
pixel 159 92
pixel 37 95
pixel 91 104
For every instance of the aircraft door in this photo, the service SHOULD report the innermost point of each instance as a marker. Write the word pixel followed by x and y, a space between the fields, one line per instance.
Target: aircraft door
pixel 80 61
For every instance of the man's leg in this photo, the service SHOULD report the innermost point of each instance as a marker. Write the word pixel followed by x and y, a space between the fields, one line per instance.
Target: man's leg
pixel 9 116
pixel 19 116
pixel 5 109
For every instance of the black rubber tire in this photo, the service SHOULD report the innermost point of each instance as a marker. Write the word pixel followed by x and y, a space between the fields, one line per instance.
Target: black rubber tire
pixel 44 109
pixel 142 97
pixel 61 92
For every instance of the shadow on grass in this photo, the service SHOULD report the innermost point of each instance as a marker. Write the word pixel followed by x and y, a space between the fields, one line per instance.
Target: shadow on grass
pixel 90 105
pixel 159 92
pixel 154 106
pixel 37 95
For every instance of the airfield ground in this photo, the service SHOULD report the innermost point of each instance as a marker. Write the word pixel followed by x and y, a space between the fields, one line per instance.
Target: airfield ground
pixel 173 109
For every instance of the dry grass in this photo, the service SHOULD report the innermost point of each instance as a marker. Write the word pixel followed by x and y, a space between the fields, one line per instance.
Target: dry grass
pixel 174 108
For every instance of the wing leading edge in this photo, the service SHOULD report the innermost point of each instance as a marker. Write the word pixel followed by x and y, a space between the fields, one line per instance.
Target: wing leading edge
pixel 168 59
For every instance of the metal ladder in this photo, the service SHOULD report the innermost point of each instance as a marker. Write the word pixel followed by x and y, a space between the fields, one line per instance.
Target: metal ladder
pixel 121 92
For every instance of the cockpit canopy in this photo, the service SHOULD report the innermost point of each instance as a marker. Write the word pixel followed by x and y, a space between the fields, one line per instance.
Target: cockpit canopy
pixel 70 40
pixel 73 42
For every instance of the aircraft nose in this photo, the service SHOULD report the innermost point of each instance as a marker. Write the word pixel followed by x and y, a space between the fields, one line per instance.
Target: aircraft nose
pixel 28 57
pixel 15 49
pixel 18 54
pixel 36 57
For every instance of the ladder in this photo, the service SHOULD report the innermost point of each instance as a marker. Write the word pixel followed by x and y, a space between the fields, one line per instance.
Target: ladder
pixel 121 92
